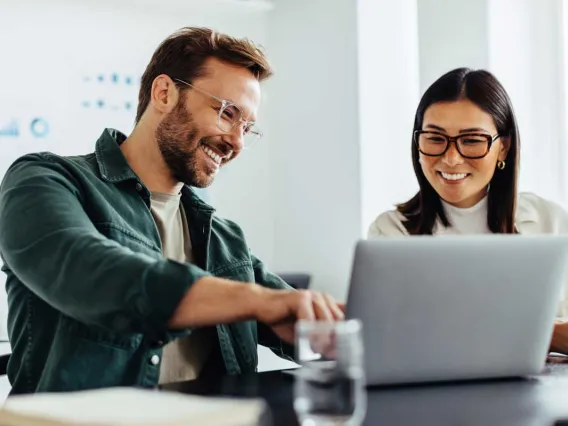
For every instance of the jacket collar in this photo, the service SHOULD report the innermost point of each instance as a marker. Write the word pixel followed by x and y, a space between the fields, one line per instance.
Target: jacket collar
pixel 189 196
pixel 112 163
pixel 114 168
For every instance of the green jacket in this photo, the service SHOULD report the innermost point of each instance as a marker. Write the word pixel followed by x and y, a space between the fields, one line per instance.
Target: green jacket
pixel 89 291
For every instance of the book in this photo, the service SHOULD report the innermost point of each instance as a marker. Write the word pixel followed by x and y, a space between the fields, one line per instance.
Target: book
pixel 121 406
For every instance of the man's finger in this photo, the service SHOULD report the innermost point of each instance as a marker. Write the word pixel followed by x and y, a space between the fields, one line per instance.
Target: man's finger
pixel 321 308
pixel 305 307
pixel 336 311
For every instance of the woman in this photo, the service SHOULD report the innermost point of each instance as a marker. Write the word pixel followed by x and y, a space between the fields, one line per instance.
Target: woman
pixel 465 152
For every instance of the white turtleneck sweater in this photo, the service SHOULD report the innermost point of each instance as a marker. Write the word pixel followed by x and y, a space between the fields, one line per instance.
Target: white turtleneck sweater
pixel 470 220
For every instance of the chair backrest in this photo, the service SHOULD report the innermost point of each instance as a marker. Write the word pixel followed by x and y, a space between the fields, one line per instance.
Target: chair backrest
pixel 4 364
pixel 300 281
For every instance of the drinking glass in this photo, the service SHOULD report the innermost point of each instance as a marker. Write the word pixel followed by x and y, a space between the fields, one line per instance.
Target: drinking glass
pixel 329 388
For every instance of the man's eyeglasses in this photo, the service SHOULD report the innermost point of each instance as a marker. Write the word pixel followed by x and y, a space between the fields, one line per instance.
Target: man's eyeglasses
pixel 469 145
pixel 229 115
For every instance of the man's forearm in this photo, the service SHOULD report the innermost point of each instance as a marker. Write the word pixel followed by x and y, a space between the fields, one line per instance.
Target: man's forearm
pixel 213 300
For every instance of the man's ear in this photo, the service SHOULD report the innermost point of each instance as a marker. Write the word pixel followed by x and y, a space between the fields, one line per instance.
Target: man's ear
pixel 164 94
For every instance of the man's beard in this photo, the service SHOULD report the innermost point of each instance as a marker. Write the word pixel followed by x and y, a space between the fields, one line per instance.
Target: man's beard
pixel 177 140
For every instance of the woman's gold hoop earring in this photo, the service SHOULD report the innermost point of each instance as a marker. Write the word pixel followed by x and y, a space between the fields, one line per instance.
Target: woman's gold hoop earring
pixel 500 165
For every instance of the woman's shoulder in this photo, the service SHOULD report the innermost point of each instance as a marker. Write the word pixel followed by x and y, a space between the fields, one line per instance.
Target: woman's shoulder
pixel 547 215
pixel 387 224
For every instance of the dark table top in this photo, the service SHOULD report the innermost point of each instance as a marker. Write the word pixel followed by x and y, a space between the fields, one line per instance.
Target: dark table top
pixel 533 401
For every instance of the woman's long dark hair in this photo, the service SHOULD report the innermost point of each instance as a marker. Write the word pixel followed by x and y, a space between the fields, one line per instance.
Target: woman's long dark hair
pixel 484 90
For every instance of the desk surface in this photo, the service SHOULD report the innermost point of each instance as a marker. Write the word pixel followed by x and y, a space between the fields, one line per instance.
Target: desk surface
pixel 535 401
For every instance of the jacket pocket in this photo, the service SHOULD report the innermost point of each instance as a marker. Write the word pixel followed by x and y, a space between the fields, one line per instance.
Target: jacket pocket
pixel 238 271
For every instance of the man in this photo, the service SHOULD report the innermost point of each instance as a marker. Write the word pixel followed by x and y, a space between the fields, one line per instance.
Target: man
pixel 117 273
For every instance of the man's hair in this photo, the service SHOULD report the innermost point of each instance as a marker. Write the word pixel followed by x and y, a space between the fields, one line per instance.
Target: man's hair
pixel 183 54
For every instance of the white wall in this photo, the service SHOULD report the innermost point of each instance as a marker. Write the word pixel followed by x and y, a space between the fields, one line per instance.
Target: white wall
pixel 520 41
pixel 543 82
pixel 452 33
pixel 510 49
pixel 388 96
pixel 314 139
pixel 526 54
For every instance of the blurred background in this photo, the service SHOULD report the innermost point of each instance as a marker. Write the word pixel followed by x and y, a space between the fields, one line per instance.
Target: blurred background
pixel 337 115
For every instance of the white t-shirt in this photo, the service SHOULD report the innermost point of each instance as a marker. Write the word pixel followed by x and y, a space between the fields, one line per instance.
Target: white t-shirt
pixel 182 359
pixel 534 216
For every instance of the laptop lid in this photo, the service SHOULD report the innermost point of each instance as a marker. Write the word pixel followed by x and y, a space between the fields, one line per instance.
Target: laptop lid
pixel 456 307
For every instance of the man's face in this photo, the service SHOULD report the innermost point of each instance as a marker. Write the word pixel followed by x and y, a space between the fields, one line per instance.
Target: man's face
pixel 189 138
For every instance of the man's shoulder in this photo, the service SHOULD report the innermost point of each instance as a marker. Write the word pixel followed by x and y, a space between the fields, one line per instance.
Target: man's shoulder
pixel 228 226
pixel 47 159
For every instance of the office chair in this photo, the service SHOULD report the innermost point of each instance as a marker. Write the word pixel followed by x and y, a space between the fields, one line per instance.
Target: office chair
pixel 297 280
pixel 4 364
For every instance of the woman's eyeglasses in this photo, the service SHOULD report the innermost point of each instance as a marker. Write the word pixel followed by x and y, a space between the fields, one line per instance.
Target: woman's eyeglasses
pixel 469 145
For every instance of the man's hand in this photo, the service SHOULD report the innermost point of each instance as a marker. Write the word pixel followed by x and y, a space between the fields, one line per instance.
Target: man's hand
pixel 213 300
pixel 559 342
pixel 282 309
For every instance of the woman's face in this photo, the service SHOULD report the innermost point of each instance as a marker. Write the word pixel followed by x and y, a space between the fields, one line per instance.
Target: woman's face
pixel 459 180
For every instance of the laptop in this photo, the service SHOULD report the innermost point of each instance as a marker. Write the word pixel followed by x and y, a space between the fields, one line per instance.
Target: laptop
pixel 456 307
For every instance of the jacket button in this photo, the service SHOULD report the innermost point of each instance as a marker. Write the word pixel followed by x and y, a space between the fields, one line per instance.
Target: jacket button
pixel 155 360
pixel 138 187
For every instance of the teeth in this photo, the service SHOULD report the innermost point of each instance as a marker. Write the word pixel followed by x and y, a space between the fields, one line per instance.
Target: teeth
pixel 210 153
pixel 454 176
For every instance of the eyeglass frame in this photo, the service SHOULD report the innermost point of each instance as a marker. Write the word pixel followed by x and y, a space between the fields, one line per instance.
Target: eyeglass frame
pixel 224 105
pixel 450 139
